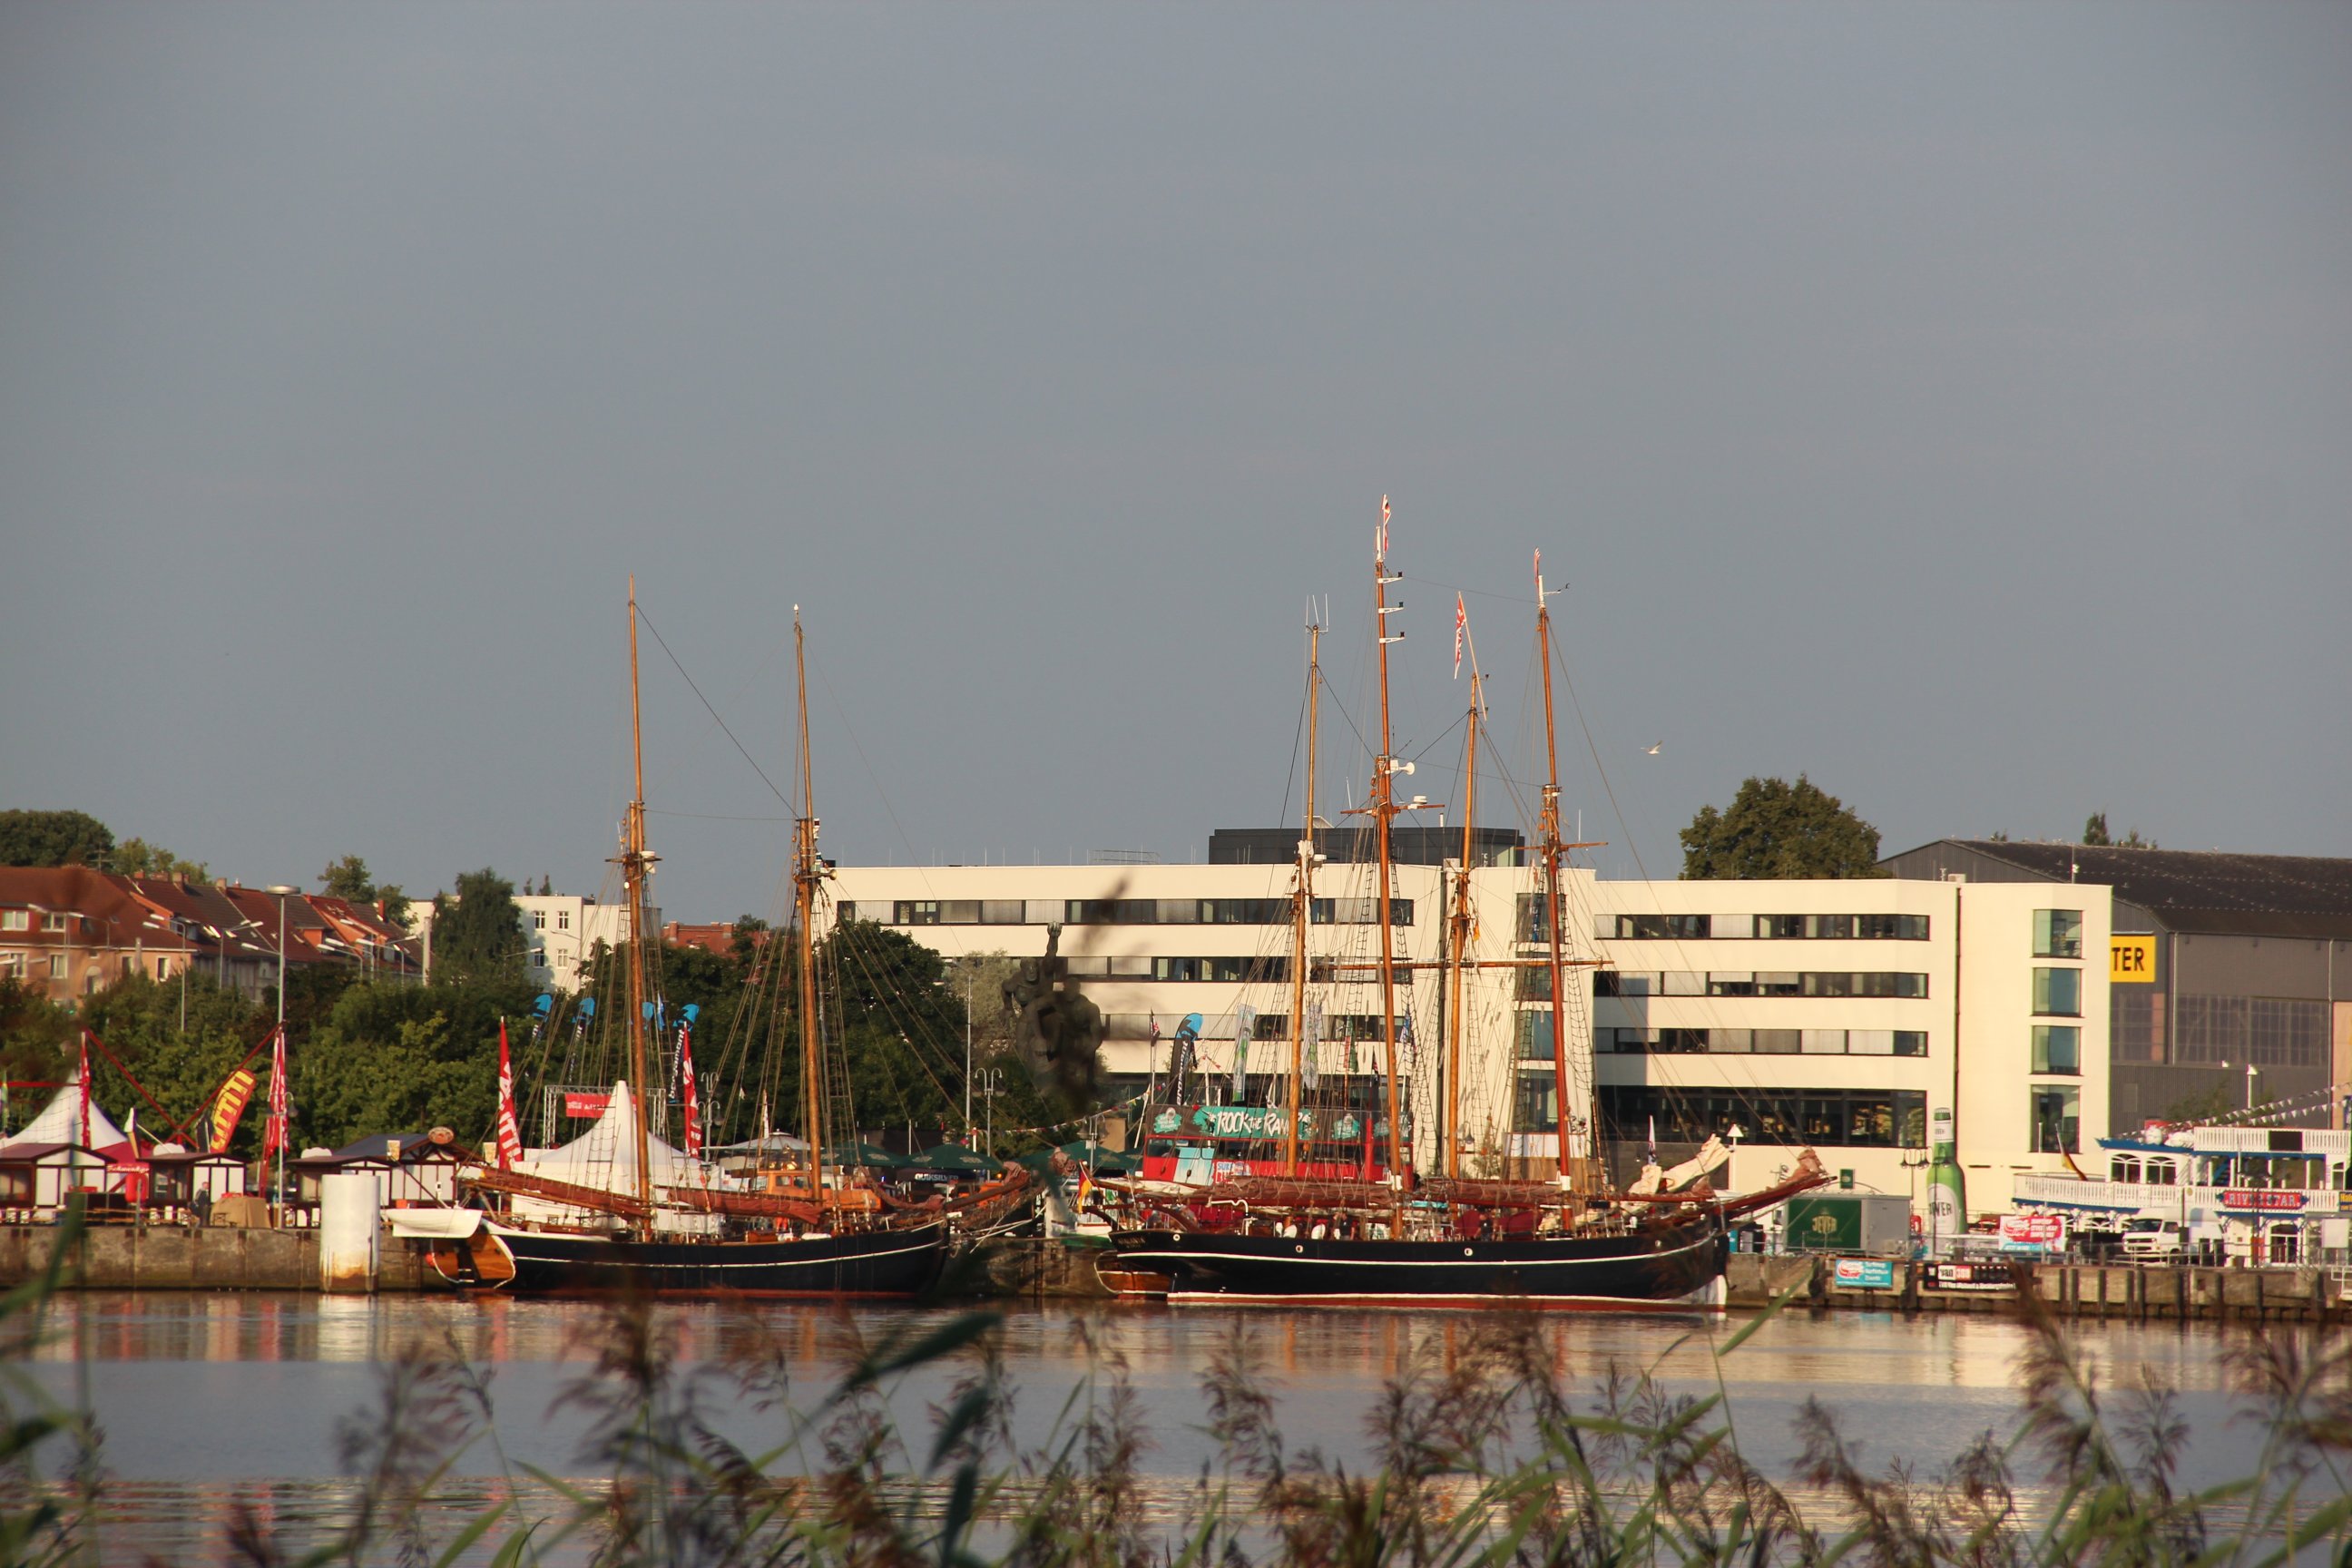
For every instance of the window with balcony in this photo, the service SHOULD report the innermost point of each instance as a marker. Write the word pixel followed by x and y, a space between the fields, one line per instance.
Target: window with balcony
pixel 2058 992
pixel 2057 1047
pixel 2057 933
pixel 2056 1118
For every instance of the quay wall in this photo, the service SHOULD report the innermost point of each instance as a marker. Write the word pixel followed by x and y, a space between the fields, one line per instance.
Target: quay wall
pixel 222 1257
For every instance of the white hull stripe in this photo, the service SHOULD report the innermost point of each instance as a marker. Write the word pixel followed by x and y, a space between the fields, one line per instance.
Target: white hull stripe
pixel 1137 1255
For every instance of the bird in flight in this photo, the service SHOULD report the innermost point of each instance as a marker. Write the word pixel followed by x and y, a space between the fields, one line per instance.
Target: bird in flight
pixel 1652 748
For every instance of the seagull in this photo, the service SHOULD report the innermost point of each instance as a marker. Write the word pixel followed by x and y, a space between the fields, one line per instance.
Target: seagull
pixel 1652 748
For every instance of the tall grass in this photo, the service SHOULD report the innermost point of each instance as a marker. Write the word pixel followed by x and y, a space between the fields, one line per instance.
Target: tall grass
pixel 1485 1456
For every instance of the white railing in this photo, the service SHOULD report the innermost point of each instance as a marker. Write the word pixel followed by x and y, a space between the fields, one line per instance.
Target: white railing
pixel 2073 1191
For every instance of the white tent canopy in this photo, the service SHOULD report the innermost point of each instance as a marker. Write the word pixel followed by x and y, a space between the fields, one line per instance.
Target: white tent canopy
pixel 605 1156
pixel 60 1122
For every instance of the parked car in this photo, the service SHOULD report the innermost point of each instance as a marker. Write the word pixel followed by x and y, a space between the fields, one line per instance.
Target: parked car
pixel 2154 1240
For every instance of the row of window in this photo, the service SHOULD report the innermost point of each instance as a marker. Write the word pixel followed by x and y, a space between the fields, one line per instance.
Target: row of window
pixel 562 919
pixel 22 919
pixel 2262 1031
pixel 1762 1042
pixel 1358 911
pixel 1745 982
pixel 1823 1118
pixel 1761 927
pixel 1338 1028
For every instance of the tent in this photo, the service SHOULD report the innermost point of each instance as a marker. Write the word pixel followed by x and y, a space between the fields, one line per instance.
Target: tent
pixel 606 1158
pixel 871 1154
pixel 60 1122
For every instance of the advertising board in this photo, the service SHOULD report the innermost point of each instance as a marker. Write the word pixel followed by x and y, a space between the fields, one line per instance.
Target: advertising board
pixel 1864 1274
pixel 2033 1232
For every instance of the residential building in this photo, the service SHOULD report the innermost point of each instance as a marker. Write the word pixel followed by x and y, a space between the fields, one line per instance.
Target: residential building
pixel 75 931
pixel 2231 979
pixel 561 931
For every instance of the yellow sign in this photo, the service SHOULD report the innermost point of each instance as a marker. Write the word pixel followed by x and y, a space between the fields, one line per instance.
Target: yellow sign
pixel 2131 959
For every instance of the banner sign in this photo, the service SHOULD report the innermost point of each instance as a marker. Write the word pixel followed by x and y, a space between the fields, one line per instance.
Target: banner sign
pixel 2033 1232
pixel 2262 1200
pixel 1865 1274
pixel 582 1105
pixel 1970 1276
pixel 1259 1122
pixel 2131 961
pixel 235 1095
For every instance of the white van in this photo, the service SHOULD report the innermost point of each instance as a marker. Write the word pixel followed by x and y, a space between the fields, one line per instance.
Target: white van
pixel 2154 1240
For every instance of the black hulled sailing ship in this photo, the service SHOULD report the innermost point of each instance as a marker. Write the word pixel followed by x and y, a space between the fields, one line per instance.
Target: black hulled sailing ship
pixel 1306 1238
pixel 808 1230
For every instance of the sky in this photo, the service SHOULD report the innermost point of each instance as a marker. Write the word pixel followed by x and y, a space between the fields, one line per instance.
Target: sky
pixel 1950 403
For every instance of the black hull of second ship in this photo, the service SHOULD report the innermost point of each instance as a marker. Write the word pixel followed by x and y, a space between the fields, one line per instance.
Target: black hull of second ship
pixel 879 1264
pixel 1672 1268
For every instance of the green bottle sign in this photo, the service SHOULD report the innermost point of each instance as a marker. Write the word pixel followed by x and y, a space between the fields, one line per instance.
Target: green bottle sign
pixel 1948 1193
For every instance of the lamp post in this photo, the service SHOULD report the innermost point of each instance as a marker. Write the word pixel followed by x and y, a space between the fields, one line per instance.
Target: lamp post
pixel 281 893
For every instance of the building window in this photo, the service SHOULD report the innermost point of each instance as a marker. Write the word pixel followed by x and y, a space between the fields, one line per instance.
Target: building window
pixel 12 966
pixel 163 968
pixel 15 919
pixel 915 912
pixel 2058 992
pixel 56 966
pixel 538 958
pixel 2057 933
pixel 2057 1047
pixel 2057 1117
pixel 53 921
pixel 1852 1118
pixel 539 920
pixel 563 919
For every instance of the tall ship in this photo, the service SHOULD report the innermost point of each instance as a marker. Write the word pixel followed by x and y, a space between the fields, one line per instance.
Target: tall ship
pixel 1297 1204
pixel 619 1209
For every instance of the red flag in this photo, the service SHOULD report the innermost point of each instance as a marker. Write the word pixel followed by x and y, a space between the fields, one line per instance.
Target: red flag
pixel 693 1098
pixel 1460 628
pixel 509 1134
pixel 85 1089
pixel 273 1136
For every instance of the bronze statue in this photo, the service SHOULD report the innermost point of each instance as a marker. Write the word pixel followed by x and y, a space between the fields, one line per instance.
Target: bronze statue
pixel 1058 1033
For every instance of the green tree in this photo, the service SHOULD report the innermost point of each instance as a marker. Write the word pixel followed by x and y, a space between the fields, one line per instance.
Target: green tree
pixel 1774 829
pixel 2095 832
pixel 140 1019
pixel 54 838
pixel 477 932
pixel 37 1044
pixel 137 858
pixel 348 879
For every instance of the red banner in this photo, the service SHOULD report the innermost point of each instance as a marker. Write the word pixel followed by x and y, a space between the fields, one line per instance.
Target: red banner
pixel 578 1103
pixel 2032 1230
pixel 2261 1198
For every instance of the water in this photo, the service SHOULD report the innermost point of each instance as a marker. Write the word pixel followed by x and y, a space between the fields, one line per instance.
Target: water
pixel 206 1398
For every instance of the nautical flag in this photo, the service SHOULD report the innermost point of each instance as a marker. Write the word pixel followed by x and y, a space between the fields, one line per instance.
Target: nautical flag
pixel 85 1089
pixel 509 1134
pixel 1244 1025
pixel 1310 1070
pixel 273 1136
pixel 1383 542
pixel 1539 574
pixel 229 1105
pixel 693 1100
pixel 1460 628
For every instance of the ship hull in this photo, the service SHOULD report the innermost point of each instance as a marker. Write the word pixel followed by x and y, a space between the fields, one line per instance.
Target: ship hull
pixel 895 1264
pixel 1674 1269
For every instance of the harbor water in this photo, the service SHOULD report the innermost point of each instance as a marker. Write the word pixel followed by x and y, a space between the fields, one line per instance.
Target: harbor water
pixel 206 1398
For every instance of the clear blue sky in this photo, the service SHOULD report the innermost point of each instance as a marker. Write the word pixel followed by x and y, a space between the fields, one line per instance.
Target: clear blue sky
pixel 1954 403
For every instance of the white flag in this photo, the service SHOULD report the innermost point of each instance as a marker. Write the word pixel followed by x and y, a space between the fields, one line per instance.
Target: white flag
pixel 1461 630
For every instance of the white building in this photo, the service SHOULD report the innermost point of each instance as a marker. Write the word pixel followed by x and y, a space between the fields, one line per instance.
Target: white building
pixel 1845 1016
pixel 561 931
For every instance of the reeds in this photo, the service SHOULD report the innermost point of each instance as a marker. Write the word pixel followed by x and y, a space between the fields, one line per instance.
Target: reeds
pixel 1488 1457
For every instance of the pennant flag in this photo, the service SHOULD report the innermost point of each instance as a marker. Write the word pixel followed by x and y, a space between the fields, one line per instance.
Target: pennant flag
pixel 686 1089
pixel 229 1105
pixel 1310 1070
pixel 1539 574
pixel 1244 1025
pixel 1461 629
pixel 85 1089
pixel 273 1136
pixel 1383 540
pixel 510 1132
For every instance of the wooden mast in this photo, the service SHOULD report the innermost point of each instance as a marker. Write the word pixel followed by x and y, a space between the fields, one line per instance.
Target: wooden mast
pixel 1302 903
pixel 805 871
pixel 1454 1021
pixel 634 865
pixel 1383 812
pixel 1555 906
